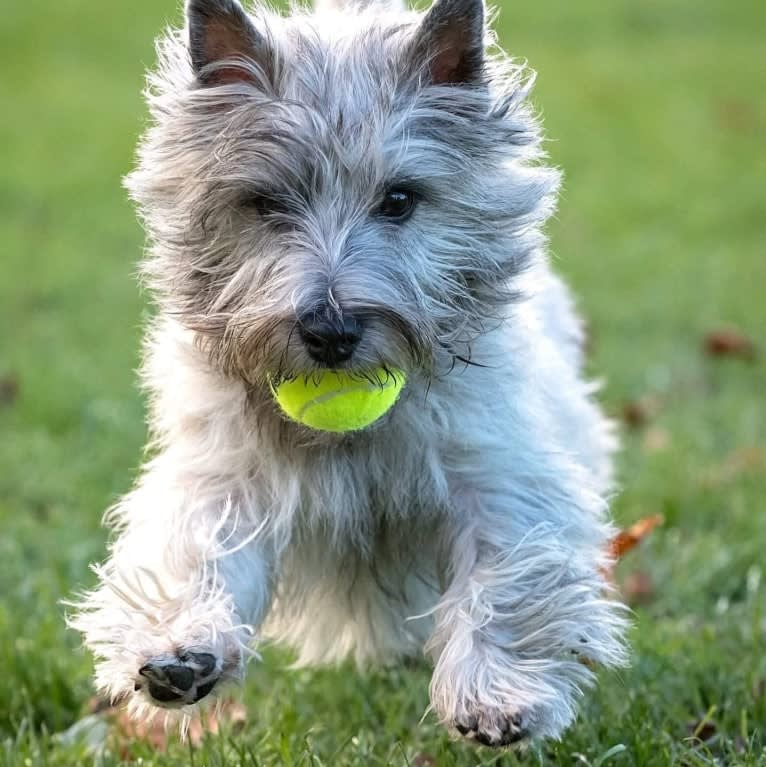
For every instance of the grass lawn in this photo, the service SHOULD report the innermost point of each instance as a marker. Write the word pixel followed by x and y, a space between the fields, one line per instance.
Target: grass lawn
pixel 657 113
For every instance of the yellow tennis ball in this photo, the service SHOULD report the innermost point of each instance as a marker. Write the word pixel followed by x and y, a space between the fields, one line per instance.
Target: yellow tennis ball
pixel 337 401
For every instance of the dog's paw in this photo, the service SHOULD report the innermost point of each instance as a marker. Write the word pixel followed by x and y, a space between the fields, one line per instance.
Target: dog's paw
pixel 506 717
pixel 492 727
pixel 501 724
pixel 179 679
pixel 491 699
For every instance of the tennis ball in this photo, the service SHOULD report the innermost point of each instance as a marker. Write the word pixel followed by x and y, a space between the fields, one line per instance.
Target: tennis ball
pixel 337 401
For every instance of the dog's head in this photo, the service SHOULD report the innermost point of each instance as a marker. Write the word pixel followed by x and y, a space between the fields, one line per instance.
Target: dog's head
pixel 351 188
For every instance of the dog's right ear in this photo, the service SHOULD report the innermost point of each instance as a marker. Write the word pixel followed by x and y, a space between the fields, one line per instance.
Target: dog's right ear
pixel 224 45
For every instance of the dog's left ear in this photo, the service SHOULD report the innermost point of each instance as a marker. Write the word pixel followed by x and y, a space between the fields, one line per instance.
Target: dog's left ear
pixel 450 42
pixel 224 43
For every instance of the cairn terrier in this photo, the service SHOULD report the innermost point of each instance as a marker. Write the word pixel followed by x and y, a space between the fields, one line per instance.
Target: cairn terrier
pixel 356 187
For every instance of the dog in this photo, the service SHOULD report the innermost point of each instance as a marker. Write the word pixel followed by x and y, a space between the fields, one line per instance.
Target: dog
pixel 352 188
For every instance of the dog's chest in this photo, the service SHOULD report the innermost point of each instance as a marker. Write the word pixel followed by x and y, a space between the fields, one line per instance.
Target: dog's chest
pixel 361 491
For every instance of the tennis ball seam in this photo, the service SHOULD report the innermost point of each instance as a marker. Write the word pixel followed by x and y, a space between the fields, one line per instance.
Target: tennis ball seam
pixel 329 395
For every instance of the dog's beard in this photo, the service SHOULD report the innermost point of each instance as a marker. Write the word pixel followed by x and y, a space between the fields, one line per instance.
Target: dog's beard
pixel 257 349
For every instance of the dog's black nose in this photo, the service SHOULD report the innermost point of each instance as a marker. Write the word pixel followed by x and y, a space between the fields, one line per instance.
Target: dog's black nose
pixel 329 339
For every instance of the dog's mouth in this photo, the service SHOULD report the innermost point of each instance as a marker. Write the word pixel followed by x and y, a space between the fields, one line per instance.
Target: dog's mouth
pixel 337 401
pixel 379 376
pixel 280 348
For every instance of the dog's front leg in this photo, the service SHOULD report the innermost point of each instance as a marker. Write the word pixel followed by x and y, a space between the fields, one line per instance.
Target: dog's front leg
pixel 525 607
pixel 187 581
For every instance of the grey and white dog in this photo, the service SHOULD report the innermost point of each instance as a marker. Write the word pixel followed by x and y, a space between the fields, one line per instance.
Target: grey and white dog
pixel 358 187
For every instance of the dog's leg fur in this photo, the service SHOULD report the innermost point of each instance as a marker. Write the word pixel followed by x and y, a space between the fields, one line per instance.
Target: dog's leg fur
pixel 171 617
pixel 524 606
pixel 189 573
pixel 527 599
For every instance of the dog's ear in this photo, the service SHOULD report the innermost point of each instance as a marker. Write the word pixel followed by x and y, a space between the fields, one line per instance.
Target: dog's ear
pixel 450 41
pixel 224 45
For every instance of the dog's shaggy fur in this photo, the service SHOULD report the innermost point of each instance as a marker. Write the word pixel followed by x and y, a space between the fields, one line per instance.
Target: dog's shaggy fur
pixel 471 521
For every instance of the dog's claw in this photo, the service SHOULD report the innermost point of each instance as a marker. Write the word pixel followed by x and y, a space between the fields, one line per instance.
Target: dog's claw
pixel 511 730
pixel 513 736
pixel 483 738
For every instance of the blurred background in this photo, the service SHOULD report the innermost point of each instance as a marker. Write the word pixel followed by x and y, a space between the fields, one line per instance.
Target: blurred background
pixel 656 111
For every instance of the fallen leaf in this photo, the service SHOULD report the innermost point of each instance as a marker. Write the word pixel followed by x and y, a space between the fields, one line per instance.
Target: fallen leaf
pixel 9 389
pixel 737 115
pixel 639 411
pixel 424 760
pixel 628 539
pixel 638 586
pixel 729 342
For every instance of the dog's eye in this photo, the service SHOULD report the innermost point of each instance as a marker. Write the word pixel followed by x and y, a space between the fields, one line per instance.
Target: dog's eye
pixel 397 204
pixel 264 203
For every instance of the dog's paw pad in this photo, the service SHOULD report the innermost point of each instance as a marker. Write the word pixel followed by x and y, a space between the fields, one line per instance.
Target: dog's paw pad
pixel 179 679
pixel 495 730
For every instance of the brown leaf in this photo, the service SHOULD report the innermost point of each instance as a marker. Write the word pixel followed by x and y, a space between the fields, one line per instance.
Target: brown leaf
pixel 640 588
pixel 737 115
pixel 628 539
pixel 424 760
pixel 639 411
pixel 9 389
pixel 729 342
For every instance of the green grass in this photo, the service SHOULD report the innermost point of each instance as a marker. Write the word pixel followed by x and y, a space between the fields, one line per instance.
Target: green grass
pixel 658 115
